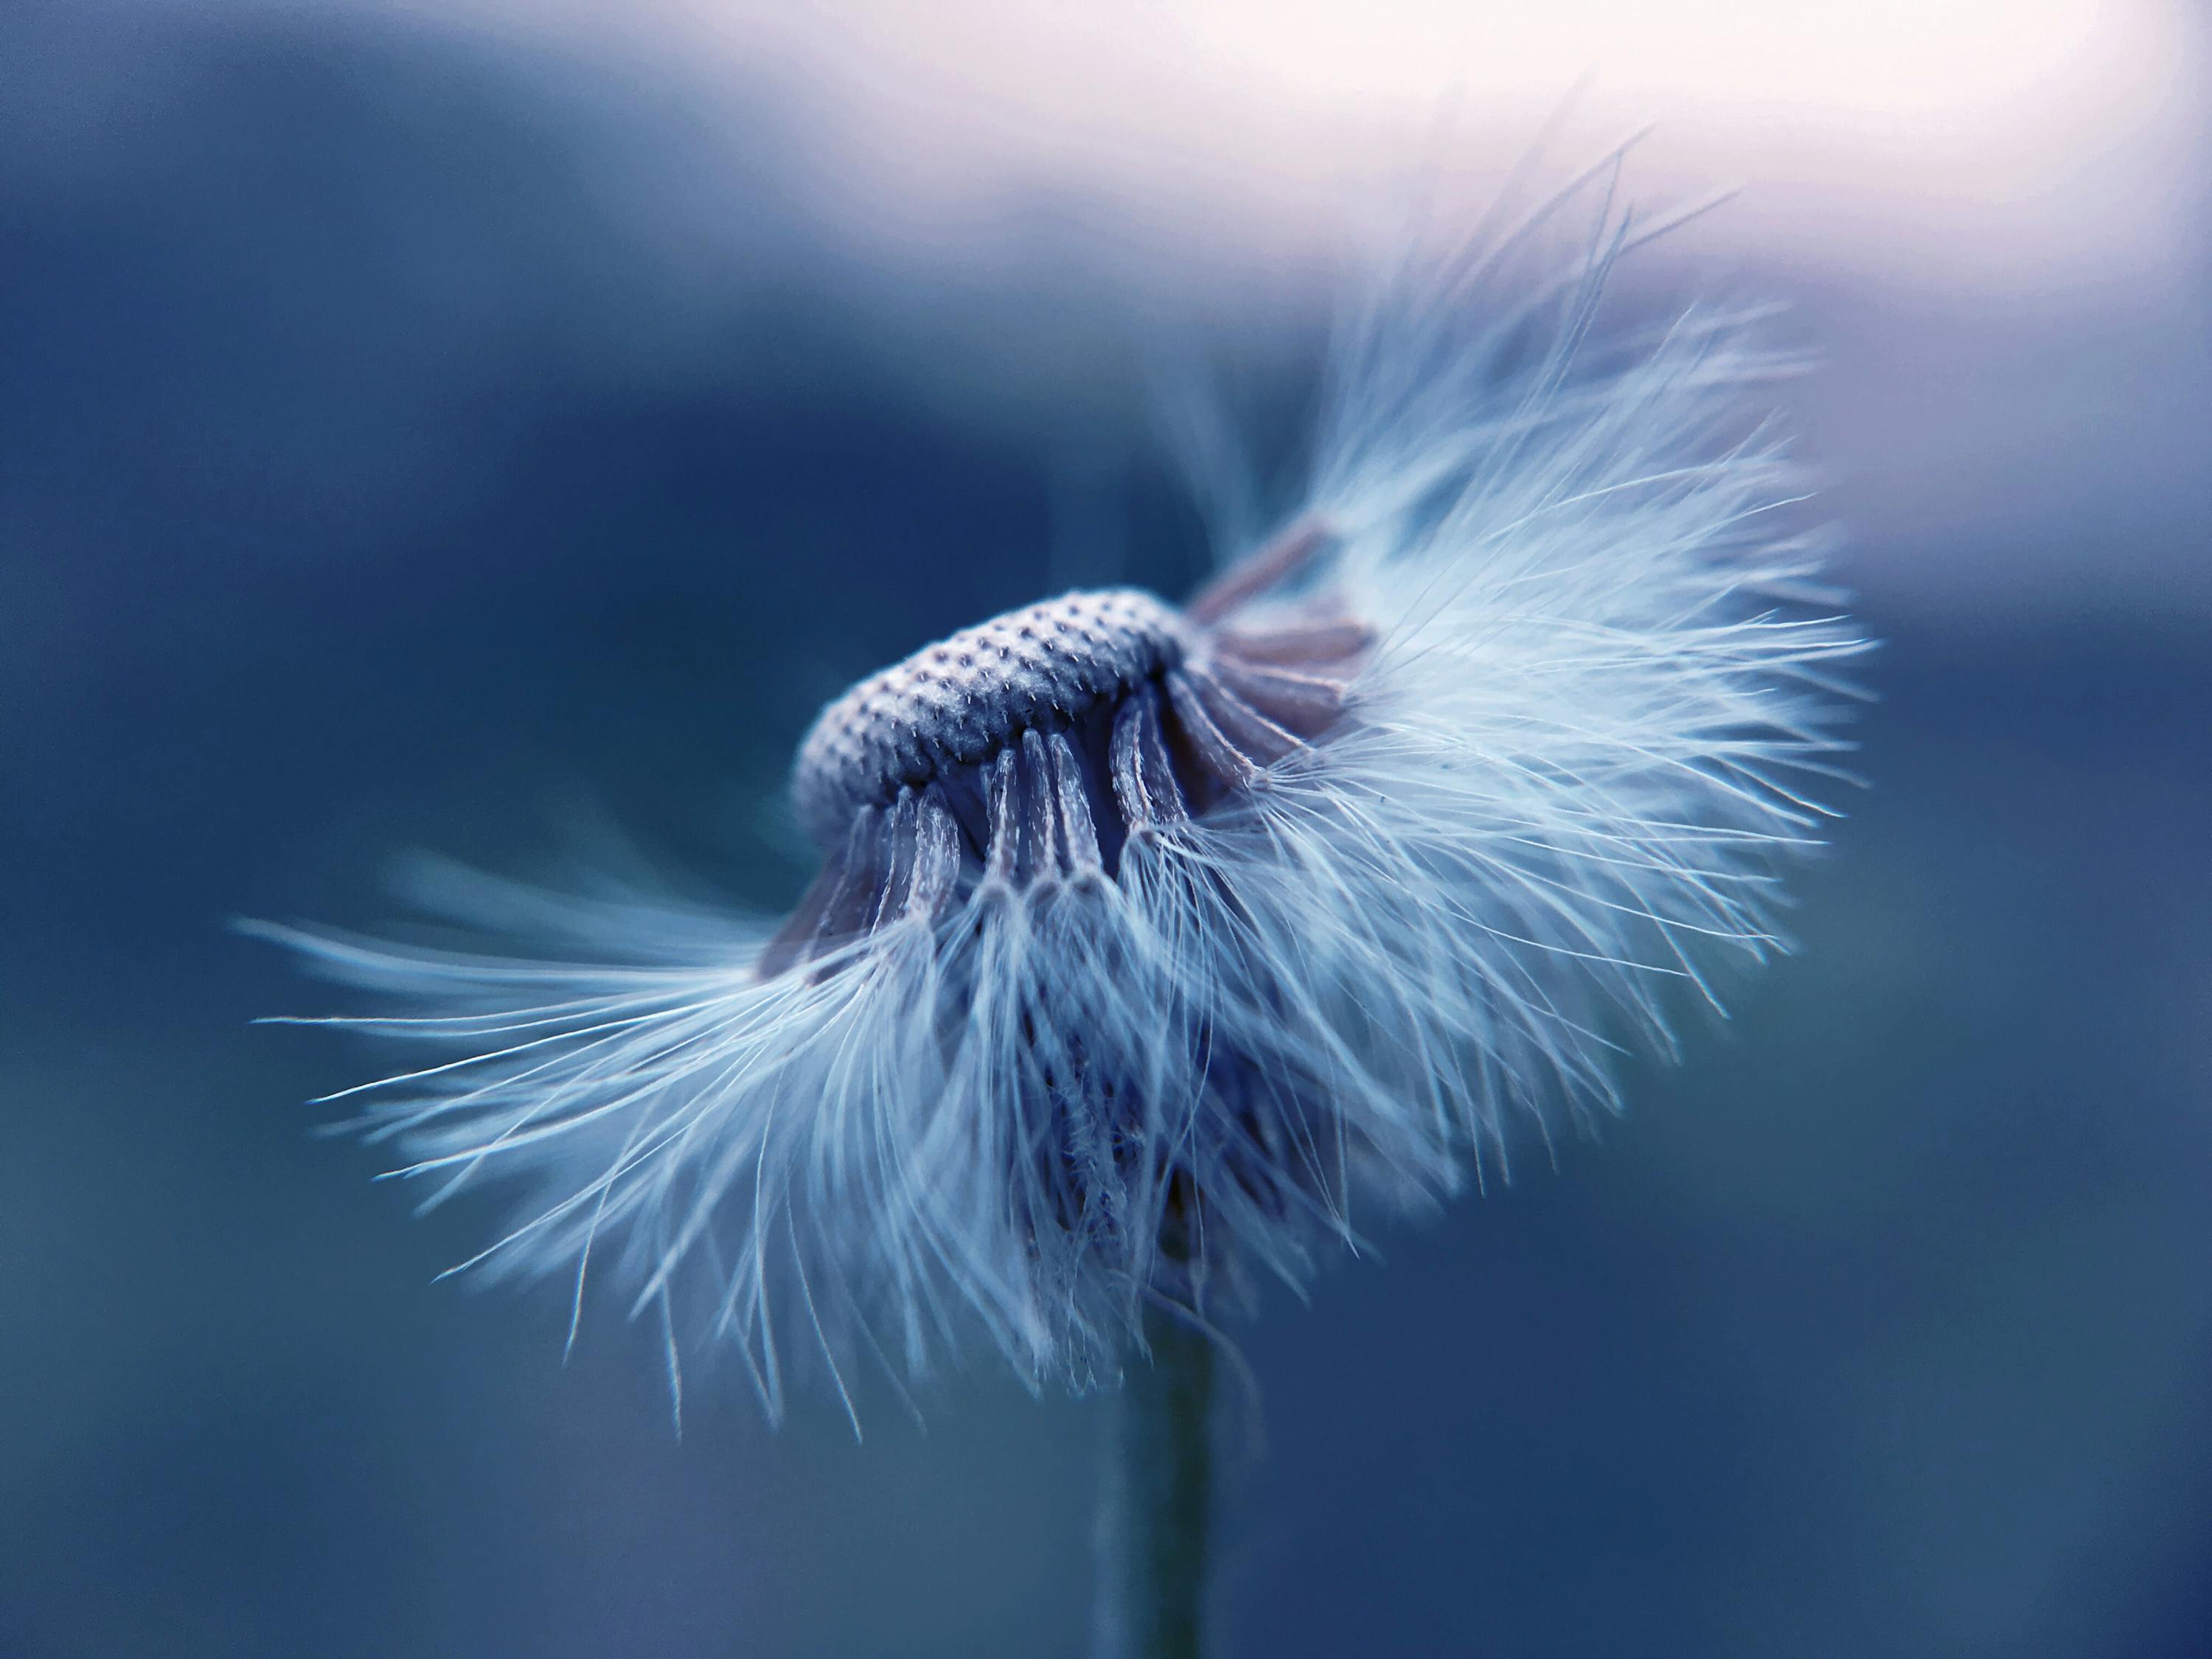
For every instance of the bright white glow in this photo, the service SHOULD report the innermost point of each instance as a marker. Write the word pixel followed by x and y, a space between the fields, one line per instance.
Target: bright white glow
pixel 1906 59
pixel 2019 144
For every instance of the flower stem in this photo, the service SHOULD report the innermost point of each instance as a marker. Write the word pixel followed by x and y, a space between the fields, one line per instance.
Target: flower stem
pixel 1159 1499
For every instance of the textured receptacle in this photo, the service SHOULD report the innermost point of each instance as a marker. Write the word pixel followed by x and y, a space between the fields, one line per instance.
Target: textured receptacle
pixel 1035 744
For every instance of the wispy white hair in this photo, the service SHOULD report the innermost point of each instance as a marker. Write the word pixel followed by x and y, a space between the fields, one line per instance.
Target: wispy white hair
pixel 1157 948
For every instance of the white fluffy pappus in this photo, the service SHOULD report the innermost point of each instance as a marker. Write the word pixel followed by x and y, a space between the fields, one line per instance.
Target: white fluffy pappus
pixel 1156 950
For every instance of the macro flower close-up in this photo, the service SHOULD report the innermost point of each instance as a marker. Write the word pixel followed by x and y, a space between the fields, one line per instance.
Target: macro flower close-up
pixel 1155 947
pixel 1241 832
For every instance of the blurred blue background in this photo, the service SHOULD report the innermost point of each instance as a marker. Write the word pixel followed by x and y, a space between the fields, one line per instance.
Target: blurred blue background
pixel 433 433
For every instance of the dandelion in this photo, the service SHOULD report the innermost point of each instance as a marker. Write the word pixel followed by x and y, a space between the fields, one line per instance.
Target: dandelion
pixel 1159 951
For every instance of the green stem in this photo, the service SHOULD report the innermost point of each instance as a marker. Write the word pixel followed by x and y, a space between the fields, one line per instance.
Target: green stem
pixel 1159 1499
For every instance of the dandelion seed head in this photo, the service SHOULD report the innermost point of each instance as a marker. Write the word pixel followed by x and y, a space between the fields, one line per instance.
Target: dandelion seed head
pixel 1159 951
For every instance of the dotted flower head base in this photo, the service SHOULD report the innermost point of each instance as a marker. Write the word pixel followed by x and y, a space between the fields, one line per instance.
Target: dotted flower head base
pixel 1034 744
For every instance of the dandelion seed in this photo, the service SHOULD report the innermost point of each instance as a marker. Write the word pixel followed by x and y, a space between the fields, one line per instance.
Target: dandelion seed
pixel 1160 949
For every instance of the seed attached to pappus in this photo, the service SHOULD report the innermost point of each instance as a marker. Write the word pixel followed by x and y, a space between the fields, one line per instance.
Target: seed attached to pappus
pixel 1159 949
